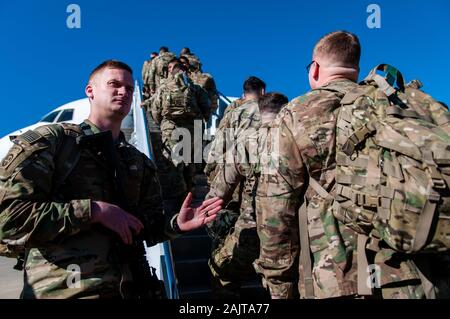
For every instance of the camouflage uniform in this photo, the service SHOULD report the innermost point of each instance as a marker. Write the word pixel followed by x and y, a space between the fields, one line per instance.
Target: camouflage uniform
pixel 231 262
pixel 219 228
pixel 301 146
pixel 53 222
pixel 154 76
pixel 193 59
pixel 169 122
pixel 206 81
pixel 145 74
pixel 217 149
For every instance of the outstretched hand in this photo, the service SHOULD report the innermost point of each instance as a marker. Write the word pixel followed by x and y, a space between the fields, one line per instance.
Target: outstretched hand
pixel 191 218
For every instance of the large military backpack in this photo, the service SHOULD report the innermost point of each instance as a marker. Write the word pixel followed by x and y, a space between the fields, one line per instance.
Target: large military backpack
pixel 179 99
pixel 162 63
pixel 393 164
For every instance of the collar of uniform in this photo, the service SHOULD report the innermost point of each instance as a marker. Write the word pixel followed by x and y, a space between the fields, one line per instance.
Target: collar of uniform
pixel 120 140
pixel 337 81
pixel 246 102
pixel 93 127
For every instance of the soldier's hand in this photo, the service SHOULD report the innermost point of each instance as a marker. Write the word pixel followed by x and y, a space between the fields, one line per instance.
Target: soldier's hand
pixel 191 218
pixel 116 219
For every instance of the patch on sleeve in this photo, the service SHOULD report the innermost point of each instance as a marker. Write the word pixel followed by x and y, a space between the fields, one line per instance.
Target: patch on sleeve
pixel 23 147
pixel 12 154
pixel 30 137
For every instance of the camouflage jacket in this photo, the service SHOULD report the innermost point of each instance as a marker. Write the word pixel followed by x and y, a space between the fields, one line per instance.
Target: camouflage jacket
pixel 240 159
pixel 301 145
pixel 154 77
pixel 54 224
pixel 218 147
pixel 145 70
pixel 206 81
pixel 193 59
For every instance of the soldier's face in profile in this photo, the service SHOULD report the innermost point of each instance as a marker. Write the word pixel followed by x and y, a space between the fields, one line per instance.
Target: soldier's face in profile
pixel 111 92
pixel 170 67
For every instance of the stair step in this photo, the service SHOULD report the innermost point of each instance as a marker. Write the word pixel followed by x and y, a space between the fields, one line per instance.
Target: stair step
pixel 192 247
pixel 192 272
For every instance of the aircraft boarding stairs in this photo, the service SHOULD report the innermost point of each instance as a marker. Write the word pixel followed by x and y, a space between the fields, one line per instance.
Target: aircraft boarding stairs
pixel 182 264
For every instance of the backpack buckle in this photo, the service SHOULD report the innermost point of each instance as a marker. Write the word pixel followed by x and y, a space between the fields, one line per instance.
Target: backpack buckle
pixel 438 183
pixel 434 197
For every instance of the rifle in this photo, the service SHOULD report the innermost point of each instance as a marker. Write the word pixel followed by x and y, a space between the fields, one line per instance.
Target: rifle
pixel 145 284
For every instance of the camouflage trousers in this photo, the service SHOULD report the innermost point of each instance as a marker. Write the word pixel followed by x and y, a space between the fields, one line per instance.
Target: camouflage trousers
pixel 231 263
pixel 174 150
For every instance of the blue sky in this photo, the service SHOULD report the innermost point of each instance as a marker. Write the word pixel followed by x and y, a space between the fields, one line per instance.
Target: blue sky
pixel 44 64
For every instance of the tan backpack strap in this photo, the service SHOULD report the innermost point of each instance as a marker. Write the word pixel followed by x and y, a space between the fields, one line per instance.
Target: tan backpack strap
pixel 424 222
pixel 363 265
pixel 383 85
pixel 319 189
pixel 357 137
pixel 305 253
pixel 363 289
pixel 361 161
pixel 392 74
pixel 395 110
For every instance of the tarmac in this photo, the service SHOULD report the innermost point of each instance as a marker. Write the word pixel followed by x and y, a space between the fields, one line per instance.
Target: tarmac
pixel 11 280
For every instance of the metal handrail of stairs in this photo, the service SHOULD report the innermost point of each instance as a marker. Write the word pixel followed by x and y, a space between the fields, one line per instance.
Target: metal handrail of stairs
pixel 160 255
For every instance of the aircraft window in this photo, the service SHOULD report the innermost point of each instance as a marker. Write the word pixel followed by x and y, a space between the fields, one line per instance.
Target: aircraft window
pixel 50 117
pixel 66 115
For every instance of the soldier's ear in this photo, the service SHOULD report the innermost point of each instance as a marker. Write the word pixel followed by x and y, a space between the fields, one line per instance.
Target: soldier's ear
pixel 315 75
pixel 89 91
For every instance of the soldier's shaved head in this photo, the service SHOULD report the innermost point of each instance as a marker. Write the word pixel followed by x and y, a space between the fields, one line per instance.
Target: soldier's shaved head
pixel 339 48
pixel 335 56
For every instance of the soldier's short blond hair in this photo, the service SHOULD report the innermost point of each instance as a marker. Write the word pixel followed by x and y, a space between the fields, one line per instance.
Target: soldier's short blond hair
pixel 112 64
pixel 340 47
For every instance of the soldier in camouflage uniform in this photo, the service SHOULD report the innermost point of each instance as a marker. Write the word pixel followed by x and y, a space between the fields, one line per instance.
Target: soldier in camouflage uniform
pixel 301 148
pixel 253 88
pixel 179 104
pixel 192 58
pixel 145 74
pixel 205 80
pixel 158 69
pixel 74 222
pixel 231 262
